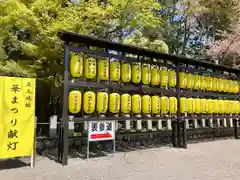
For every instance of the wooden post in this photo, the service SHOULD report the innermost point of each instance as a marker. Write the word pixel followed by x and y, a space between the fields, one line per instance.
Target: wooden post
pixel 53 126
pixel 33 157
pixel 159 123
pixel 139 123
pixel 169 125
pixel 149 123
pixel 127 123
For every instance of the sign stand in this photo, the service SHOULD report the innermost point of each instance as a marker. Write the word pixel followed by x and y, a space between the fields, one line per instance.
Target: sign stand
pixel 114 140
pixel 33 157
pixel 101 132
pixel 88 143
pixel 114 146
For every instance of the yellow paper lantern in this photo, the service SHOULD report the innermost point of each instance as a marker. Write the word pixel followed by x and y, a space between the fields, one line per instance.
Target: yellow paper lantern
pixel 74 101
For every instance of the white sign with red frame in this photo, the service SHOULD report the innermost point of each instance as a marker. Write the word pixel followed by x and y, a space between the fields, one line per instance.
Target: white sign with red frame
pixel 101 130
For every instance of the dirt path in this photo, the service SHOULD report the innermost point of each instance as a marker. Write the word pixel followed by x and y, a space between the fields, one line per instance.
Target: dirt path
pixel 219 160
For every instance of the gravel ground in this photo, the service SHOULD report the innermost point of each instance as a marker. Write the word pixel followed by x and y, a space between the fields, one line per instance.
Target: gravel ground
pixel 219 160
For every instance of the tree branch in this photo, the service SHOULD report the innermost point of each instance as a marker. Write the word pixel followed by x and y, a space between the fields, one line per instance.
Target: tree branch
pixel 229 45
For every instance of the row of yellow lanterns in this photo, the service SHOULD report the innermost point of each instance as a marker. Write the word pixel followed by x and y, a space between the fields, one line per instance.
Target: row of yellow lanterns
pixel 148 75
pixel 146 104
pixel 208 83
pixel 209 106
pixel 135 73
pixel 124 103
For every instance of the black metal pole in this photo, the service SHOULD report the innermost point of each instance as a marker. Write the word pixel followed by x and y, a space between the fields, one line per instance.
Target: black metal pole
pixel 65 117
pixel 236 121
pixel 179 133
pixel 235 125
pixel 178 104
pixel 174 135
pixel 59 144
pixel 60 132
pixel 184 134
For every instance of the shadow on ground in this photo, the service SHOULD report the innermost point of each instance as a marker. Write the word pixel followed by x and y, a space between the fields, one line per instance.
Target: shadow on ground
pixel 12 164
pixel 125 143
pixel 78 146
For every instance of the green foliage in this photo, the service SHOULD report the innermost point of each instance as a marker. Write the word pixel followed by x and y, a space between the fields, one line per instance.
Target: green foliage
pixel 191 25
pixel 219 16
pixel 29 28
pixel 219 26
pixel 12 68
pixel 28 34
pixel 138 39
